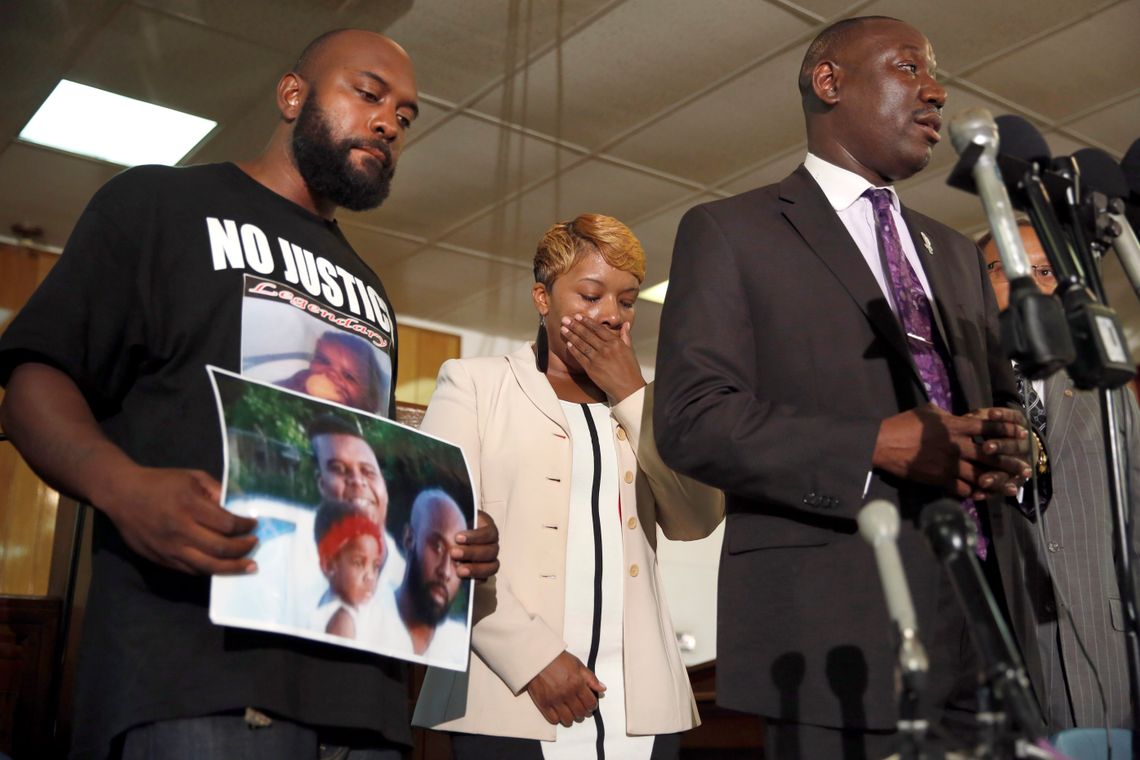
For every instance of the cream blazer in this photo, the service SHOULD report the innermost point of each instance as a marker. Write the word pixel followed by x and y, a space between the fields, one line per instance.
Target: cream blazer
pixel 503 412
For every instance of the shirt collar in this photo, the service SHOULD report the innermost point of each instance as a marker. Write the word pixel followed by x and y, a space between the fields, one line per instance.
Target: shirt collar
pixel 841 186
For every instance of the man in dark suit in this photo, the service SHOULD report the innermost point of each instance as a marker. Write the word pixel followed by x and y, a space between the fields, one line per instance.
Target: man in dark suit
pixel 821 346
pixel 1060 581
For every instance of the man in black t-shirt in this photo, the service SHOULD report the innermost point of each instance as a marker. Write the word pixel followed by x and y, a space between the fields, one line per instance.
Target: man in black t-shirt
pixel 109 400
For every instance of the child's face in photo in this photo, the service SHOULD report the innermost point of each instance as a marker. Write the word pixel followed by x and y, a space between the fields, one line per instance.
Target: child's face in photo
pixel 354 570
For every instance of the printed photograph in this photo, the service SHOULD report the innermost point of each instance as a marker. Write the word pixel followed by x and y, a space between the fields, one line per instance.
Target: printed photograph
pixel 293 342
pixel 356 518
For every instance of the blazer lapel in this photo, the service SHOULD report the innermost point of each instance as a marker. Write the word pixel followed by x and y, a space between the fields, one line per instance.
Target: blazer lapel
pixel 535 385
pixel 936 274
pixel 807 209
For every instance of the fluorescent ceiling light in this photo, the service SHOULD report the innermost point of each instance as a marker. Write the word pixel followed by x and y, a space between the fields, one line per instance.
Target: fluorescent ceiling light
pixel 656 293
pixel 100 124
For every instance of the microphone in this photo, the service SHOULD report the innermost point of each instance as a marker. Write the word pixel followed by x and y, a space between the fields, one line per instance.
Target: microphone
pixel 1100 172
pixel 1131 166
pixel 879 526
pixel 1033 328
pixel 1102 360
pixel 952 538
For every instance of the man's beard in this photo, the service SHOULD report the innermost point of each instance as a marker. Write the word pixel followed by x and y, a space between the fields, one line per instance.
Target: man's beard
pixel 327 169
pixel 426 608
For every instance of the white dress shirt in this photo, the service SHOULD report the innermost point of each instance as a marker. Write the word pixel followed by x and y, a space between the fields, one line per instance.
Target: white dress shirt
pixel 844 190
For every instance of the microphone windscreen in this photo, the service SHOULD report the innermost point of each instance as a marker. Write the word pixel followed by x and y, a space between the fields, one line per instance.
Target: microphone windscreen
pixel 946 527
pixel 1131 166
pixel 1020 139
pixel 1101 172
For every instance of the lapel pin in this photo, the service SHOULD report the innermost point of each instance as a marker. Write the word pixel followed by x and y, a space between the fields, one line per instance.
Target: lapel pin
pixel 926 242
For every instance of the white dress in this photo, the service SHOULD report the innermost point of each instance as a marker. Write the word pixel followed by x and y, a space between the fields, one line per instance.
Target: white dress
pixel 594 578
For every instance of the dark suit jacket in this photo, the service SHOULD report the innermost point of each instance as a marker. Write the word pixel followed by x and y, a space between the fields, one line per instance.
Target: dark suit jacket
pixel 1076 539
pixel 778 358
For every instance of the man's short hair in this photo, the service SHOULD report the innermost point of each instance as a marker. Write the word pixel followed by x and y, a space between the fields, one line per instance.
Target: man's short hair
pixel 428 497
pixel 332 424
pixel 832 38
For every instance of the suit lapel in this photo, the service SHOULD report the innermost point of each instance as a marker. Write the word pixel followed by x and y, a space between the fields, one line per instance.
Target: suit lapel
pixel 536 387
pixel 936 275
pixel 807 209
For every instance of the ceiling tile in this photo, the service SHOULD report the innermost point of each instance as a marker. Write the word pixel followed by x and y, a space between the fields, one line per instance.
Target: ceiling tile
pixel 1052 77
pixel 591 187
pixel 379 249
pixel 965 31
pixel 506 310
pixel 458 169
pixel 664 51
pixel 768 172
pixel 933 197
pixel 159 58
pixel 657 234
pixel 459 46
pixel 435 280
pixel 285 26
pixel 828 9
pixel 1116 126
pixel 733 126
pixel 32 194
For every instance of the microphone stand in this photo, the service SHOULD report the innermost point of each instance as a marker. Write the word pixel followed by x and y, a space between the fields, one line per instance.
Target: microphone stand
pixel 912 725
pixel 1007 714
pixel 1091 226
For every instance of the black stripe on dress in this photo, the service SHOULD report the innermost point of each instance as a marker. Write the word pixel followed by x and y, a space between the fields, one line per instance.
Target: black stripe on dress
pixel 596 633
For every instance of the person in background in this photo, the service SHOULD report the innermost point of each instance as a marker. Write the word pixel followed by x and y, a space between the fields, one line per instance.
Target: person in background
pixel 1057 557
pixel 574 654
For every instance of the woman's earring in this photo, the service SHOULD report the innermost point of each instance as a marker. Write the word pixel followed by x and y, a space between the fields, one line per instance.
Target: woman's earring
pixel 541 347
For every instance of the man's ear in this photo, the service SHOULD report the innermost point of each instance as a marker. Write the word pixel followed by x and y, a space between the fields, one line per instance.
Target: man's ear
pixel 328 569
pixel 825 81
pixel 291 93
pixel 407 542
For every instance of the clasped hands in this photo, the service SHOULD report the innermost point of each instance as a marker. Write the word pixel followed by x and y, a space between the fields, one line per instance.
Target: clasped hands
pixel 975 455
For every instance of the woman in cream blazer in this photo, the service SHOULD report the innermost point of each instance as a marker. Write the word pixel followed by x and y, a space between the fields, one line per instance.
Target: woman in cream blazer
pixel 509 415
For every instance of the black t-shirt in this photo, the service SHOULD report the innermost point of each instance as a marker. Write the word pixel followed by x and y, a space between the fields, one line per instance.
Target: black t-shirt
pixel 150 289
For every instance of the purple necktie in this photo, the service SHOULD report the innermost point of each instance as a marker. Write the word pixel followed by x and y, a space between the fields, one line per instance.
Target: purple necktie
pixel 917 321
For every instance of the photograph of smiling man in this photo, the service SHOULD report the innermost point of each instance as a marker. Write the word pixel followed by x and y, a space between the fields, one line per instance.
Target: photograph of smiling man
pixel 357 517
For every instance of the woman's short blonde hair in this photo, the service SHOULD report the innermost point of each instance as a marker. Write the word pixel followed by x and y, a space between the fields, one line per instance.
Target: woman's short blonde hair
pixel 566 242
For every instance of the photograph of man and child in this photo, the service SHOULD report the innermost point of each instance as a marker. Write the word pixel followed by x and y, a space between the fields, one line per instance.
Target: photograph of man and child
pixel 356 515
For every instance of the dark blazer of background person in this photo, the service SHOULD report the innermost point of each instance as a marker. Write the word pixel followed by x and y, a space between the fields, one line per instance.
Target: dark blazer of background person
pixel 779 357
pixel 1078 544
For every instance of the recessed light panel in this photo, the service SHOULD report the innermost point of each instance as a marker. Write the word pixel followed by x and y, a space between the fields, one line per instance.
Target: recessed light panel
pixel 656 293
pixel 100 124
